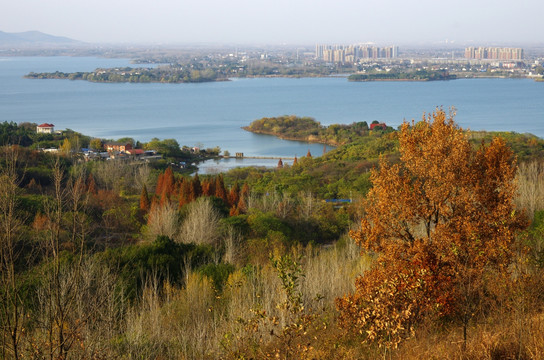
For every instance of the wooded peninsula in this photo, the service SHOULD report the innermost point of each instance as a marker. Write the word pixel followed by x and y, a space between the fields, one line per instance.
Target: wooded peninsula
pixel 291 127
pixel 161 74
pixel 419 75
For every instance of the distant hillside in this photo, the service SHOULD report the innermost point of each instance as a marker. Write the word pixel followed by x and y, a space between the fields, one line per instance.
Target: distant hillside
pixel 34 38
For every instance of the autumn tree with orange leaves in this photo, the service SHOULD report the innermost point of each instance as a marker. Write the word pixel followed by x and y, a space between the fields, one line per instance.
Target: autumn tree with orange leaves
pixel 442 224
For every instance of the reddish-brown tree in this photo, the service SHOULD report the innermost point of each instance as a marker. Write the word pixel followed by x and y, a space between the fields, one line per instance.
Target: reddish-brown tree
pixel 185 193
pixel 197 187
pixel 234 195
pixel 208 187
pixel 91 184
pixel 442 222
pixel 220 190
pixel 168 182
pixel 144 200
pixel 158 188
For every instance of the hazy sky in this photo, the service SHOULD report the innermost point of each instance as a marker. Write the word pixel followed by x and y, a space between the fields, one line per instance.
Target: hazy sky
pixel 280 21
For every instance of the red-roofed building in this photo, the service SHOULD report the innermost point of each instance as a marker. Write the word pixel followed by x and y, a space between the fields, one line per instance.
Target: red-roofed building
pixel 45 128
pixel 380 126
pixel 116 146
pixel 135 152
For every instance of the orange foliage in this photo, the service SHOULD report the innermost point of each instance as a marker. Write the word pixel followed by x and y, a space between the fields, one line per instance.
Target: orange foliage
pixel 441 221
pixel 220 190
pixel 106 199
pixel 168 183
pixel 185 193
pixel 208 188
pixel 91 184
pixel 234 195
pixel 197 187
pixel 41 222
pixel 144 200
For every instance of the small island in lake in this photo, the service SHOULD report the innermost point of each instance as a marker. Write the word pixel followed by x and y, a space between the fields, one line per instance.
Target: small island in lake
pixel 161 74
pixel 291 127
pixel 419 75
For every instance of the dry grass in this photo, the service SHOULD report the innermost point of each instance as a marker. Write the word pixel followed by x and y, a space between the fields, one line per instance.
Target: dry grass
pixel 505 337
pixel 530 181
pixel 196 322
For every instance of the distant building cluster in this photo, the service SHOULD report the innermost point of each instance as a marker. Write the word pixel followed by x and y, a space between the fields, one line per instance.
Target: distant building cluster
pixel 494 53
pixel 353 53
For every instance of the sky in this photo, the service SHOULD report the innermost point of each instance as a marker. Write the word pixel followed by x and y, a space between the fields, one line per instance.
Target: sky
pixel 387 22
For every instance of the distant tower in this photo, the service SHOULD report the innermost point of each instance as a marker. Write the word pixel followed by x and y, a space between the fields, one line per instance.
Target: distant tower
pixel 295 160
pixel 309 154
pixel 280 164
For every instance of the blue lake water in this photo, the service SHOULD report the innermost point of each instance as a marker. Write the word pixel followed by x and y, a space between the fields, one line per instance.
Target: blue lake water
pixel 212 114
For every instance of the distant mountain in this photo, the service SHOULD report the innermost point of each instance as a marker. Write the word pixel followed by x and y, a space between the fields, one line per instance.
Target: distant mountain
pixel 34 38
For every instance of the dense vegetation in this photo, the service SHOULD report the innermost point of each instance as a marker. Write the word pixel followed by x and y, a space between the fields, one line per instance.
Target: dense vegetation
pixel 162 74
pixel 418 75
pixel 292 127
pixel 119 259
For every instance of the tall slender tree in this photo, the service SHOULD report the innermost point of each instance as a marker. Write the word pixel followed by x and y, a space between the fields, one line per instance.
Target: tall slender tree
pixel 144 200
pixel 11 299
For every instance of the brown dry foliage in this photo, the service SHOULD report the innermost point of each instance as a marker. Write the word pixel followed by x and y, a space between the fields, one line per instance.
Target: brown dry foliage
pixel 442 222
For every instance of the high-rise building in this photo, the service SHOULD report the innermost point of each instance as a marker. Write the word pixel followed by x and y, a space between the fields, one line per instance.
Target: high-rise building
pixel 353 53
pixel 494 53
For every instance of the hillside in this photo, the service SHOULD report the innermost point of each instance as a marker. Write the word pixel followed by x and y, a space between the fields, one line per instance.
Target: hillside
pixel 33 38
pixel 133 259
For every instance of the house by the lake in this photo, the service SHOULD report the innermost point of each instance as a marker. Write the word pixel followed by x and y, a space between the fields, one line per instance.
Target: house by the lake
pixel 45 128
pixel 378 126
pixel 117 146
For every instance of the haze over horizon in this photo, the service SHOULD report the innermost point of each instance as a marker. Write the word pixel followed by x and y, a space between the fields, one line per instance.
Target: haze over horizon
pixel 281 22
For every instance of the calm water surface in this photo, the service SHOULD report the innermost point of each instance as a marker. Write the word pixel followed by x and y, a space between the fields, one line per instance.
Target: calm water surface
pixel 212 114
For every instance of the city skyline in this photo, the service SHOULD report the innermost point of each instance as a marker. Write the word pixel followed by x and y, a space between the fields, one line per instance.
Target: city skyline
pixel 167 22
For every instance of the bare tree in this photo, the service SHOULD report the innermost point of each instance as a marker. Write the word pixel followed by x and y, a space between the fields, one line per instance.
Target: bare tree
pixel 64 282
pixel 307 204
pixel 110 175
pixel 201 224
pixel 12 309
pixel 232 241
pixel 142 177
pixel 163 220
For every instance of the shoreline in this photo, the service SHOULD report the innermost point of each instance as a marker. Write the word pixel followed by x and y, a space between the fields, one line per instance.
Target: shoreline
pixel 290 138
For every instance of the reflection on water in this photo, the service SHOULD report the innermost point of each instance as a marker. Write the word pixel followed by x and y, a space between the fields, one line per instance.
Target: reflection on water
pixel 216 166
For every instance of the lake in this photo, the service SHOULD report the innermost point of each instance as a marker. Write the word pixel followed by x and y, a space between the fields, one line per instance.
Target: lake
pixel 212 114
